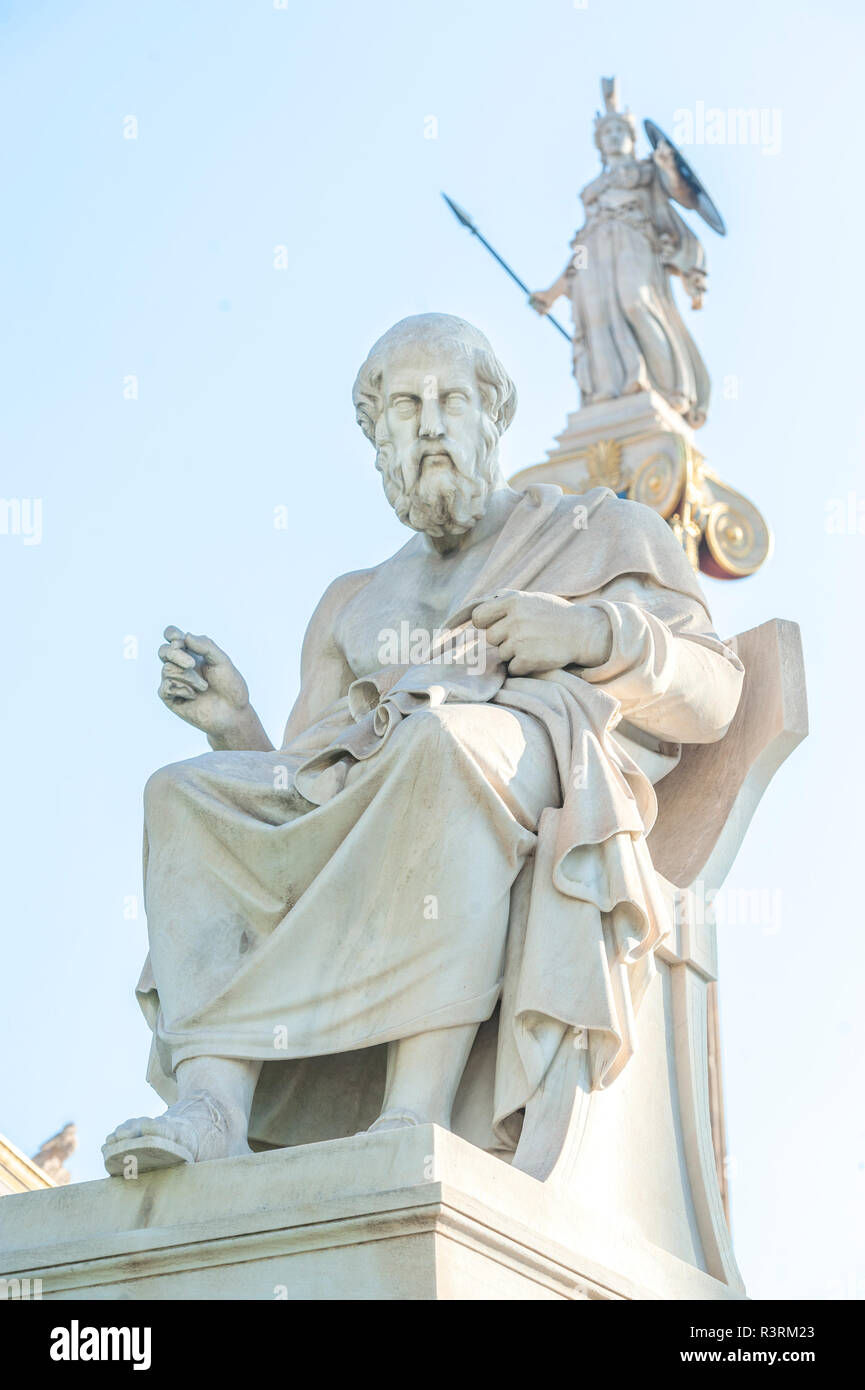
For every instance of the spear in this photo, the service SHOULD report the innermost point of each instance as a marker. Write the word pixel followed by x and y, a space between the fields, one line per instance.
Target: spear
pixel 462 216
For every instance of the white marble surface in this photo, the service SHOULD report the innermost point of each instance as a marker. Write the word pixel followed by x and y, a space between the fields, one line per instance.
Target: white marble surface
pixel 628 333
pixel 411 1214
pixel 355 889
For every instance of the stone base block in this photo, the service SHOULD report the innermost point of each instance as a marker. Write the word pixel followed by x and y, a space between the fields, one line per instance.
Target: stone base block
pixel 409 1214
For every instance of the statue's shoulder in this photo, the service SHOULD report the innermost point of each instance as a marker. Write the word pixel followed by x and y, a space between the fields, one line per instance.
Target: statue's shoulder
pixel 342 589
pixel 599 502
pixel 594 188
pixel 552 504
pixel 547 506
pixel 614 535
pixel 624 513
pixel 600 508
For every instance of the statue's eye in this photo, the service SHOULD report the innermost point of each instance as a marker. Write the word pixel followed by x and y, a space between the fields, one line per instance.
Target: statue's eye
pixel 455 402
pixel 405 406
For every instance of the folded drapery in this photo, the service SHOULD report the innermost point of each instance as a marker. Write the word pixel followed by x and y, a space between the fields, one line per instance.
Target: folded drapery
pixel 577 952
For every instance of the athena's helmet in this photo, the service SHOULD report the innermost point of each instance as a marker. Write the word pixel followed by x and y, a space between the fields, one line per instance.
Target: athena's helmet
pixel 611 113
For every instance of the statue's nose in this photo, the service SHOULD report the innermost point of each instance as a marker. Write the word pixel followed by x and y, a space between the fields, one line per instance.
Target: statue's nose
pixel 431 426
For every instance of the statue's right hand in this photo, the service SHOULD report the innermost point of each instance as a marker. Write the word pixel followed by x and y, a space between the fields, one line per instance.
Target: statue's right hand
pixel 200 683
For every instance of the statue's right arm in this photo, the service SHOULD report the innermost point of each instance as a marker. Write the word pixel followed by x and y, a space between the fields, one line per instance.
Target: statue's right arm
pixel 542 301
pixel 325 674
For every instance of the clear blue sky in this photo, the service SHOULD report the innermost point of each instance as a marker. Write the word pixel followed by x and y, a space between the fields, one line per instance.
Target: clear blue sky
pixel 304 127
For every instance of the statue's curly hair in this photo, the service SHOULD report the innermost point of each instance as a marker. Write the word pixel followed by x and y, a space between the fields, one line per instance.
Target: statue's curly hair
pixel 498 393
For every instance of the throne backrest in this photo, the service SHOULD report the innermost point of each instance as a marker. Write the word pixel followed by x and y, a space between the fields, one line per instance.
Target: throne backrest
pixel 706 803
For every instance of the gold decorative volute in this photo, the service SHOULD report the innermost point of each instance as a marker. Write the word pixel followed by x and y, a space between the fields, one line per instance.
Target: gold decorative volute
pixel 603 461
pixel 721 532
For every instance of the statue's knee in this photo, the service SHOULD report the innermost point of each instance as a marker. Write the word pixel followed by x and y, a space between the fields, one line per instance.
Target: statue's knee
pixel 163 785
pixel 430 729
pixel 446 728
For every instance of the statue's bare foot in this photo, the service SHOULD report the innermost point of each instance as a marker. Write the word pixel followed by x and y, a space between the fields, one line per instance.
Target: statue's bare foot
pixel 195 1129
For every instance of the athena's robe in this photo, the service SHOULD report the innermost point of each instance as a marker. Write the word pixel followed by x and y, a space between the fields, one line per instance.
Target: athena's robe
pixel 628 333
pixel 447 845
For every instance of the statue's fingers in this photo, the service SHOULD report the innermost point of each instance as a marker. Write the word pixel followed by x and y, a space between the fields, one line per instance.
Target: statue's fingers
pixel 178 655
pixel 498 633
pixel 489 612
pixel 173 634
pixel 192 678
pixel 507 650
pixel 518 666
pixel 172 690
pixel 203 646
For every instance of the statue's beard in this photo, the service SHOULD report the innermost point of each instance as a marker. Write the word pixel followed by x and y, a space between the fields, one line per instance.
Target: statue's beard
pixel 437 498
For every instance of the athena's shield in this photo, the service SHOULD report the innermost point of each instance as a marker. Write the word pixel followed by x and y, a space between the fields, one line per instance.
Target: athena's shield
pixel 700 200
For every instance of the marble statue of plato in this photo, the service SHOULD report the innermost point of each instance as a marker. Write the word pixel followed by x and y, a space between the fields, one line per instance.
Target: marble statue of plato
pixel 455 821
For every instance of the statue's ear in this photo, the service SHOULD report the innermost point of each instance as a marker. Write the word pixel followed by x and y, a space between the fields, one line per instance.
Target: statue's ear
pixel 497 389
pixel 508 407
pixel 367 399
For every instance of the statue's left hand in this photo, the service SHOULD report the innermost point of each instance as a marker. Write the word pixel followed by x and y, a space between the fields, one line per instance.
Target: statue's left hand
pixel 665 155
pixel 695 284
pixel 201 684
pixel 541 632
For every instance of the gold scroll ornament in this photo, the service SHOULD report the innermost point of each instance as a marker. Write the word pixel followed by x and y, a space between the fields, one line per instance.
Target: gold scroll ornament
pixel 722 533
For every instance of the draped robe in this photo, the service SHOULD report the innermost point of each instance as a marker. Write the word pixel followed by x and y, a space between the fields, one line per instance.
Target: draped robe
pixel 446 845
pixel 628 332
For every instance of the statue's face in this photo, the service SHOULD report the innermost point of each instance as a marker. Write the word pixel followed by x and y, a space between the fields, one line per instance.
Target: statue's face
pixel 434 440
pixel 615 137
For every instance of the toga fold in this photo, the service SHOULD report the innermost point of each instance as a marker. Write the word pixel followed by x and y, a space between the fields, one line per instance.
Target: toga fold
pixel 446 845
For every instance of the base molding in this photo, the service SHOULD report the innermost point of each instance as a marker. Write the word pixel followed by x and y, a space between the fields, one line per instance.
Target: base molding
pixel 415 1214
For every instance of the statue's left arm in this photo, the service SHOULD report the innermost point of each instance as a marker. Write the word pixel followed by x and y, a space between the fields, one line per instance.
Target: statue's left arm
pixel 672 675
pixel 681 251
pixel 650 647
pixel 674 186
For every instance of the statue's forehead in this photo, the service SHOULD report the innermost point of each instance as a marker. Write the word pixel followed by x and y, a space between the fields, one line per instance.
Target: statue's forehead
pixel 449 358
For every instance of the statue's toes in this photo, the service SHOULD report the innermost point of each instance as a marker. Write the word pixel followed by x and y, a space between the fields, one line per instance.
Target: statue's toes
pixel 142 1145
pixel 166 1127
pixel 130 1129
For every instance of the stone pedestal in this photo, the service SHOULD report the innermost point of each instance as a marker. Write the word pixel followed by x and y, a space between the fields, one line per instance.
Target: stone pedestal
pixel 410 1214
pixel 642 449
pixel 636 445
pixel 612 1194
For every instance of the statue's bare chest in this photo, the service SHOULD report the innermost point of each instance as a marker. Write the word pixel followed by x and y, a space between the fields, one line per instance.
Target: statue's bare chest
pixel 401 599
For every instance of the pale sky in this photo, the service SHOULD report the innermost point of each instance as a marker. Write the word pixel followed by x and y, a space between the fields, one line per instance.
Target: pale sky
pixel 308 127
